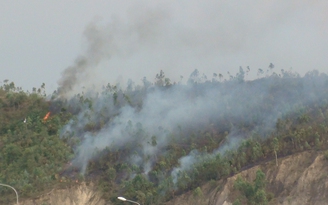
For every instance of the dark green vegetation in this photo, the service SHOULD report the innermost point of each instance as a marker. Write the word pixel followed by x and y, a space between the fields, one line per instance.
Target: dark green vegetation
pixel 251 122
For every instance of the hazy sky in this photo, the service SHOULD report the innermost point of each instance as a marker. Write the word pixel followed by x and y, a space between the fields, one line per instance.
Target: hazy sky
pixel 124 39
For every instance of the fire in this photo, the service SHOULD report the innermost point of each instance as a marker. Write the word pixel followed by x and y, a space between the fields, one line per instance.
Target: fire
pixel 47 116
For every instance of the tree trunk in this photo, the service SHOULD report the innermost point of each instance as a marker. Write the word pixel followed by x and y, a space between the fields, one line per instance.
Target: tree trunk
pixel 275 153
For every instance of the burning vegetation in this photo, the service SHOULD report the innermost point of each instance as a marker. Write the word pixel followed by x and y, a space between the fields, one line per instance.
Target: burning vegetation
pixel 46 116
pixel 173 137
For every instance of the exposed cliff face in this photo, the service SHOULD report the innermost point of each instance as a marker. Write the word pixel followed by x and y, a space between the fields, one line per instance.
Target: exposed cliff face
pixel 78 195
pixel 300 179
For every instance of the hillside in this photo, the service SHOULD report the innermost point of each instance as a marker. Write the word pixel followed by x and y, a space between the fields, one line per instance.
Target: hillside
pixel 299 179
pixel 157 141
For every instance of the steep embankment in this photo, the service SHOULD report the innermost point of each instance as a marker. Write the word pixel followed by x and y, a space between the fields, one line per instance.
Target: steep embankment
pixel 81 194
pixel 300 179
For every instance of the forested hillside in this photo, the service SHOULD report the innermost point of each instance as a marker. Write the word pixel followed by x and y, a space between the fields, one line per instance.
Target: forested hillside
pixel 31 151
pixel 154 141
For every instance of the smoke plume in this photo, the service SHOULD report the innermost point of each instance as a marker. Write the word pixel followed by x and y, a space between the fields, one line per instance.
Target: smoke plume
pixel 120 38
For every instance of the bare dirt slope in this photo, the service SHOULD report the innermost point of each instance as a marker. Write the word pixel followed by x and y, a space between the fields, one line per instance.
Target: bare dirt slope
pixel 300 179
pixel 78 195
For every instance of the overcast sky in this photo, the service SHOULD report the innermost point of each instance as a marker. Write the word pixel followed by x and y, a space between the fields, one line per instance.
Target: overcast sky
pixel 127 39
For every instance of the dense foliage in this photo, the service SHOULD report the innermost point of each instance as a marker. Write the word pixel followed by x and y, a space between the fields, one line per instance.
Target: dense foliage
pixel 32 154
pixel 253 193
pixel 134 145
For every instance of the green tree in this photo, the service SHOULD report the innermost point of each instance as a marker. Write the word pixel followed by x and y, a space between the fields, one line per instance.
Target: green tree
pixel 275 145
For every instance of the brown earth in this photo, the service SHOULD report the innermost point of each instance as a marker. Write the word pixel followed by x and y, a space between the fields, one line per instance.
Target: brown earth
pixel 78 195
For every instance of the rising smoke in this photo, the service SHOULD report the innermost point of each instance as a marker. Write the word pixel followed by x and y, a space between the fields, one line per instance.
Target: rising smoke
pixel 119 38
pixel 132 118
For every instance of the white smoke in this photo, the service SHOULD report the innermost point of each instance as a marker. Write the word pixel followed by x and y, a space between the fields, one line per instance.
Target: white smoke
pixel 189 107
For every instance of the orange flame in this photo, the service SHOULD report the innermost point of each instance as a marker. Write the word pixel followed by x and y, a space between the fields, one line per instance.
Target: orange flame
pixel 47 116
